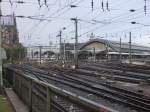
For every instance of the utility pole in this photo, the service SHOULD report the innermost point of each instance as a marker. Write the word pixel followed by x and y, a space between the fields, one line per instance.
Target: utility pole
pixel 50 46
pixel 1 77
pixel 60 42
pixel 107 50
pixel 40 47
pixel 32 54
pixel 64 53
pixel 120 50
pixel 130 56
pixel 76 41
pixel 94 54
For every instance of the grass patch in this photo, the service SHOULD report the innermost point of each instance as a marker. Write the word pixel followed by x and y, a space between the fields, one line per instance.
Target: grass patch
pixel 4 105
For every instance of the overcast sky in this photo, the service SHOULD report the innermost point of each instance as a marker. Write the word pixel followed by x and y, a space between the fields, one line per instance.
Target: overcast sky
pixel 111 24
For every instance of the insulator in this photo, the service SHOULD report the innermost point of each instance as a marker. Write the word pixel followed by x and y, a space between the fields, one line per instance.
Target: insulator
pixel 9 2
pixel 20 2
pixel 102 5
pixel 92 4
pixel 107 5
pixel 45 2
pixel 145 7
pixel 39 3
pixel 73 6
pixel 132 10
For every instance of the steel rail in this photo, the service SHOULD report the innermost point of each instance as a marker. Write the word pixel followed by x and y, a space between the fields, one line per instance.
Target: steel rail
pixel 144 106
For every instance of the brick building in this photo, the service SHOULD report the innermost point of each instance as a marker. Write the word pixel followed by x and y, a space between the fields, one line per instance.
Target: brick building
pixel 9 31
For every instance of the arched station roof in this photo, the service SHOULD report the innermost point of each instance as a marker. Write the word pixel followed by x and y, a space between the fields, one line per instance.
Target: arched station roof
pixel 115 46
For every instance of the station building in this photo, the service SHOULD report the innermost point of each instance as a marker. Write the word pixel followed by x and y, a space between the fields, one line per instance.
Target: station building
pixel 96 48
pixel 113 49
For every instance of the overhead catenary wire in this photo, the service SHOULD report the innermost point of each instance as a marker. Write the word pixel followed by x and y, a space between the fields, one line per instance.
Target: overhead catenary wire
pixel 60 13
pixel 125 14
pixel 96 28
pixel 36 25
pixel 101 14
pixel 27 17
pixel 121 19
pixel 20 2
pixel 118 21
pixel 104 25
pixel 52 14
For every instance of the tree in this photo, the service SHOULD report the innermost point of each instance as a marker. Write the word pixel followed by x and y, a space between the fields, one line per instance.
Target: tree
pixel 15 53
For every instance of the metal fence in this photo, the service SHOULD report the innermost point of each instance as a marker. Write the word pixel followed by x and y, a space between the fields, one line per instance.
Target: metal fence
pixel 44 97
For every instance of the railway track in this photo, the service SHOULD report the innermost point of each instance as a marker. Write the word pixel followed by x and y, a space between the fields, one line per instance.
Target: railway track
pixel 124 67
pixel 113 94
pixel 57 107
pixel 80 74
pixel 118 73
